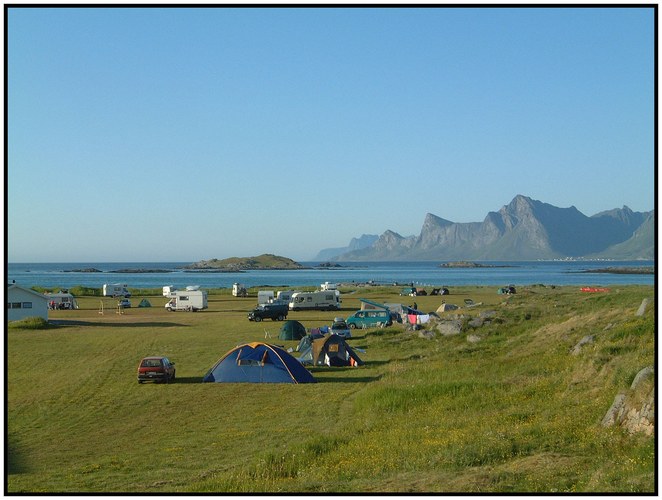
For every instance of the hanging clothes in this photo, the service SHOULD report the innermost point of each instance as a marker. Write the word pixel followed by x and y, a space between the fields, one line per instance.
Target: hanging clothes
pixel 423 318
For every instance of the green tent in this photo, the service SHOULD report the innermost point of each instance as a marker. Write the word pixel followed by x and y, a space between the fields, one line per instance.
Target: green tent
pixel 292 330
pixel 144 303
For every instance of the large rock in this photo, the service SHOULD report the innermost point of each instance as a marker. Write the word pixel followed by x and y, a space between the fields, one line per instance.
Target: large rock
pixel 452 327
pixel 642 307
pixel 634 410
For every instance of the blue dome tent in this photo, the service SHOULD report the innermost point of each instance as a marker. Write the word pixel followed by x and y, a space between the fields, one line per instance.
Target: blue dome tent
pixel 258 362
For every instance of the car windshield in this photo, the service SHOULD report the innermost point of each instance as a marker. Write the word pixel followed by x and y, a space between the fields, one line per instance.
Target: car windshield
pixel 151 362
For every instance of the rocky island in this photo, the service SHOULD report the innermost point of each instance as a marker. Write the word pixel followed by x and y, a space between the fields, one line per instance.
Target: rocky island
pixel 463 264
pixel 240 264
pixel 622 270
pixel 140 271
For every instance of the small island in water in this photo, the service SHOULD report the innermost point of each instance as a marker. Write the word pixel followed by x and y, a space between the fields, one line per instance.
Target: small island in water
pixel 622 270
pixel 239 264
pixel 464 264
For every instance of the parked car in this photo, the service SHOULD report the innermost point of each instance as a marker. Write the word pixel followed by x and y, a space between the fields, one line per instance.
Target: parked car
pixel 370 318
pixel 124 303
pixel 339 327
pixel 273 310
pixel 157 369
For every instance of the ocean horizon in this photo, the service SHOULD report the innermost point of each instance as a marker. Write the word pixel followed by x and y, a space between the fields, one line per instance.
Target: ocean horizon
pixel 421 273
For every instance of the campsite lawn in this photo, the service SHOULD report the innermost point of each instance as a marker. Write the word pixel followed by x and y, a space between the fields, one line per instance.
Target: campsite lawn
pixel 514 411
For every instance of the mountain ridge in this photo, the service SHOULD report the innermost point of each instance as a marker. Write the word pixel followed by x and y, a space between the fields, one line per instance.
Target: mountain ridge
pixel 524 229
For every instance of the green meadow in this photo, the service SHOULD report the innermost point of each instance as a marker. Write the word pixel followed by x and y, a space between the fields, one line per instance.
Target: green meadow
pixel 512 410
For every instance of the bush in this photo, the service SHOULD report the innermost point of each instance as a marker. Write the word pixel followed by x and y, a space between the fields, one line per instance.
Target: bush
pixel 79 291
pixel 31 323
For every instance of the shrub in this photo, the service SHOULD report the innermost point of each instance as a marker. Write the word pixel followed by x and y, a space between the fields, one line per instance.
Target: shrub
pixel 31 323
pixel 79 291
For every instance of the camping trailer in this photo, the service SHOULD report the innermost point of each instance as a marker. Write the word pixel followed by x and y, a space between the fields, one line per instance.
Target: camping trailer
pixel 322 301
pixel 265 297
pixel 328 286
pixel 187 300
pixel 239 290
pixel 167 290
pixel 116 290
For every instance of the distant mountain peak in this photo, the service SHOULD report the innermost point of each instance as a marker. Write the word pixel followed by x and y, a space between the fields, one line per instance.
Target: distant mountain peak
pixel 433 219
pixel 524 229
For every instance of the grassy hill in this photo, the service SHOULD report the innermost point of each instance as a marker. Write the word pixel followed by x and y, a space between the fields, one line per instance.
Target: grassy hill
pixel 507 406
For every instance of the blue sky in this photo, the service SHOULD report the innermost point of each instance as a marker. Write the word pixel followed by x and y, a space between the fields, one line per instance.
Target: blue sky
pixel 169 134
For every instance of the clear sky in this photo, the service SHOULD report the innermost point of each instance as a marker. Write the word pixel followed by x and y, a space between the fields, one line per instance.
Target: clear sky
pixel 171 134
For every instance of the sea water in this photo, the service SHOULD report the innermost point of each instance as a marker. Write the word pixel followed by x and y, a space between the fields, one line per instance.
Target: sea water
pixel 566 272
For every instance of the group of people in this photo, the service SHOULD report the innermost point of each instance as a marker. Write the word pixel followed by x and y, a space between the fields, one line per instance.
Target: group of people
pixel 62 305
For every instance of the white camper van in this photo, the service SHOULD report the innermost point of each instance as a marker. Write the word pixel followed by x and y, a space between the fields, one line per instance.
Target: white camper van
pixel 116 290
pixel 322 301
pixel 187 300
pixel 285 295
pixel 239 290
pixel 328 286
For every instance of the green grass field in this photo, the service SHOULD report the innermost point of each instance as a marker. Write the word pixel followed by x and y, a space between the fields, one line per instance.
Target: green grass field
pixel 512 412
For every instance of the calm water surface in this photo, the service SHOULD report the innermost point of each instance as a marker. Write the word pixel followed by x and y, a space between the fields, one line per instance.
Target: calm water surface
pixel 58 275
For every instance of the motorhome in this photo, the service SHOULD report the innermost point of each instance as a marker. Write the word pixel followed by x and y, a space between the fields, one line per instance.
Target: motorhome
pixel 322 301
pixel 265 297
pixel 239 290
pixel 168 289
pixel 328 286
pixel 116 290
pixel 285 295
pixel 187 300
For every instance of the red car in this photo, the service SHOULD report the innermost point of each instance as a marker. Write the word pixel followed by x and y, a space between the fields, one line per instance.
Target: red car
pixel 156 368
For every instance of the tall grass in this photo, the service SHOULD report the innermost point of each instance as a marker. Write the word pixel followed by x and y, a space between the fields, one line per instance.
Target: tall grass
pixel 513 412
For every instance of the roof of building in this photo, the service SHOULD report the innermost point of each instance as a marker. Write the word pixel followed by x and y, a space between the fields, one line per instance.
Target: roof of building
pixel 14 286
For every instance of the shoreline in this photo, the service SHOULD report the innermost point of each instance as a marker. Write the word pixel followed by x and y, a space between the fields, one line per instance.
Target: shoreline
pixel 619 270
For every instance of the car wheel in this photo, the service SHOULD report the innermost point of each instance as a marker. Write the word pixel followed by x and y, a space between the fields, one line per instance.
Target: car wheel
pixel 352 326
pixel 173 374
pixel 280 317
pixel 257 319
pixel 140 381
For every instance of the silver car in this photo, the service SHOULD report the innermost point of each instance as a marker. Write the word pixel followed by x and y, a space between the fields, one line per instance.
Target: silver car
pixel 339 327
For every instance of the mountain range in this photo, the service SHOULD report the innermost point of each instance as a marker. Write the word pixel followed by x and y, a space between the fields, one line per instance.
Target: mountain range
pixel 525 229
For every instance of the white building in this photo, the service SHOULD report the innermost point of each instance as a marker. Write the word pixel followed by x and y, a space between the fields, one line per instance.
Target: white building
pixel 23 303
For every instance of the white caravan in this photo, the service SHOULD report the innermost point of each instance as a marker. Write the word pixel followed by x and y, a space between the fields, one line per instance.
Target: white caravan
pixel 265 297
pixel 187 300
pixel 116 290
pixel 328 286
pixel 167 290
pixel 322 301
